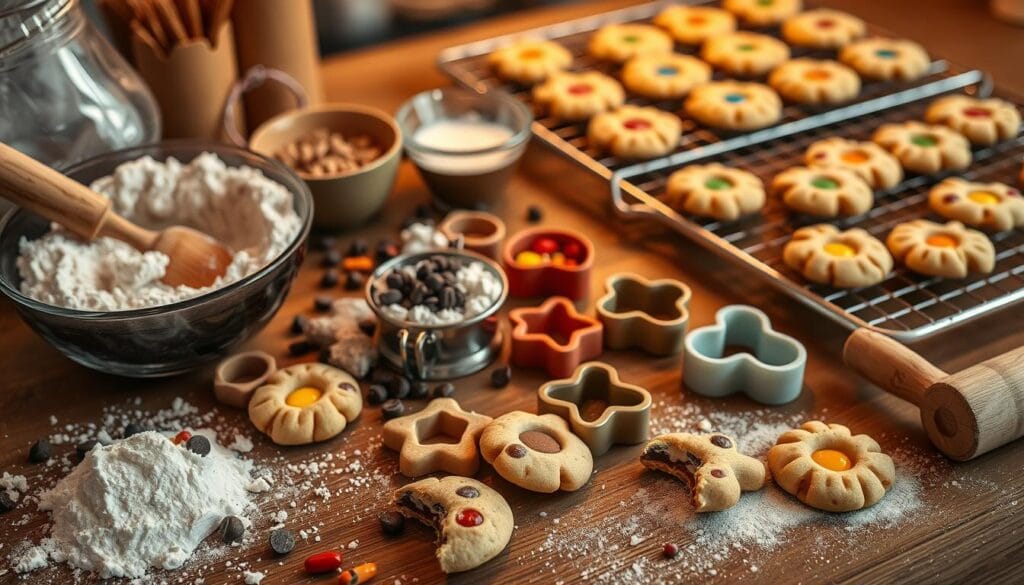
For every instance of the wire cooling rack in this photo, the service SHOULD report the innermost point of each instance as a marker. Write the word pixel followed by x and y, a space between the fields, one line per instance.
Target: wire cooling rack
pixel 905 306
pixel 467 65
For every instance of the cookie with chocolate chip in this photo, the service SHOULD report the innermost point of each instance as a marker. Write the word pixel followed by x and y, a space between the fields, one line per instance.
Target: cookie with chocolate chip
pixel 537 452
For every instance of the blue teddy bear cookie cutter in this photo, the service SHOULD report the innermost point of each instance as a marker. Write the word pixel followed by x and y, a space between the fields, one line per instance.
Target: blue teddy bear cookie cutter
pixel 770 370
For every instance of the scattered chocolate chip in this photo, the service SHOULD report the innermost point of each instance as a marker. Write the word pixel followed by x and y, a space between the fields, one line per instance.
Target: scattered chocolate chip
pixel 501 377
pixel 132 429
pixel 392 408
pixel 377 394
pixel 443 390
pixel 6 503
pixel 299 324
pixel 301 347
pixel 83 448
pixel 39 452
pixel 347 387
pixel 391 523
pixel 355 281
pixel 468 491
pixel 322 303
pixel 534 214
pixel 516 451
pixel 231 529
pixel 419 390
pixel 386 250
pixel 329 279
pixel 670 550
pixel 358 247
pixel 399 387
pixel 331 258
pixel 718 473
pixel 199 445
pixel 324 243
pixel 282 541
pixel 721 441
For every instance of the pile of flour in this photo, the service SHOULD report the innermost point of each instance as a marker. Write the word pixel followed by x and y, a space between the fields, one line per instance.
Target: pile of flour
pixel 239 206
pixel 138 503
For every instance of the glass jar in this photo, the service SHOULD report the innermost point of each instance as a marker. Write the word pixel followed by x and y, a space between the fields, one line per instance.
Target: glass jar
pixel 65 94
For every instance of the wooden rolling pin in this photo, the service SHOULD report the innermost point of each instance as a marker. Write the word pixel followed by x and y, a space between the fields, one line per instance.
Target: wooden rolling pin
pixel 965 414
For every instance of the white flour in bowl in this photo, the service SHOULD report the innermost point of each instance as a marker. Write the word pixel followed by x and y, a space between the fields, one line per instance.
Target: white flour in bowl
pixel 250 214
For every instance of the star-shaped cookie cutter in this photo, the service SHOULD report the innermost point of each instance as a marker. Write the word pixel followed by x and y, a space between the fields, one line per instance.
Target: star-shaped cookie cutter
pixel 647 314
pixel 416 438
pixel 769 369
pixel 554 336
pixel 625 409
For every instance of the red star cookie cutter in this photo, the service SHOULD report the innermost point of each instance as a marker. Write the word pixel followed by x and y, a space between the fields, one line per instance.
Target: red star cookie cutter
pixel 554 336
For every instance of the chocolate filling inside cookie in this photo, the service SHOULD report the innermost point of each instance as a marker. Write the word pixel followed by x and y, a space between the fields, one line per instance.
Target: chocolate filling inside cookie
pixel 429 514
pixel 540 441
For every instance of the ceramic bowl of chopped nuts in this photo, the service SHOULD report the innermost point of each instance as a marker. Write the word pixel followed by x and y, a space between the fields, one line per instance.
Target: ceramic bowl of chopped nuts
pixel 348 155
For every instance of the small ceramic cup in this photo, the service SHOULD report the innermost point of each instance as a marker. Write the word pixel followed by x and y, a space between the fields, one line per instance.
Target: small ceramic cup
pixel 239 375
pixel 478 231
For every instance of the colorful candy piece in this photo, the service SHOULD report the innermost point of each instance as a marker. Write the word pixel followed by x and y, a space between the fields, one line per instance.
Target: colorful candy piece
pixel 181 437
pixel 528 258
pixel 544 246
pixel 324 562
pixel 573 251
pixel 358 264
pixel 360 574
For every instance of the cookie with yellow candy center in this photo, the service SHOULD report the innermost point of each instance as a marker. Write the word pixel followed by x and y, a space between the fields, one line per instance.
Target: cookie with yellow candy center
pixel 692 25
pixel 530 60
pixel 305 403
pixel 843 259
pixel 949 250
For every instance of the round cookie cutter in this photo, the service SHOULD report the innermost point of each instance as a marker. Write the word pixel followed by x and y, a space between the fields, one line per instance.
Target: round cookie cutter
pixel 239 375
pixel 477 231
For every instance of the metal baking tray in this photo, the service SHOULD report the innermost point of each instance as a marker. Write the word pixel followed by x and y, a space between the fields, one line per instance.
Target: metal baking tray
pixel 906 306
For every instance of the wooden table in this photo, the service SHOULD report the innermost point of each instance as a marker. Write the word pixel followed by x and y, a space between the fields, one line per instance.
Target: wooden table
pixel 968 527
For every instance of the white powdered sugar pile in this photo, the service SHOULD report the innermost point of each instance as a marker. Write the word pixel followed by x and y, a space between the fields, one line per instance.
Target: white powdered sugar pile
pixel 138 503
pixel 250 214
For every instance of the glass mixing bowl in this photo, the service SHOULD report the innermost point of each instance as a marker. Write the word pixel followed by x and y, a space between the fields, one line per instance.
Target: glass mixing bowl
pixel 168 339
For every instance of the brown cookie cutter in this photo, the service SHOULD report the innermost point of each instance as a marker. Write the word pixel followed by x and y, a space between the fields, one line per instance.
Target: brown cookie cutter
pixel 554 336
pixel 239 375
pixel 647 314
pixel 478 231
pixel 601 408
pixel 441 437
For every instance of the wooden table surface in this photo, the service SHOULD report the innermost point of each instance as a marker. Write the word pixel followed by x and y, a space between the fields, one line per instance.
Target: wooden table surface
pixel 966 526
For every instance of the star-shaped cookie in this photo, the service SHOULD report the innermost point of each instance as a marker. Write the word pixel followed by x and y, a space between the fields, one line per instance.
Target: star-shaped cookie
pixel 441 437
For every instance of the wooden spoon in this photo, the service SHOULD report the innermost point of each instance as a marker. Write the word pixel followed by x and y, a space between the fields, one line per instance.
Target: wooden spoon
pixel 197 260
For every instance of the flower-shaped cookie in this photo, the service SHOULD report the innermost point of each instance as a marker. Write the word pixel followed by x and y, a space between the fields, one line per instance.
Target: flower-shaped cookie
pixel 734 105
pixel 664 76
pixel 982 121
pixel 827 468
pixel 991 206
pixel 473 522
pixel 949 250
pixel 530 60
pixel 925 148
pixel 554 336
pixel 441 437
pixel 715 470
pixel 620 42
pixel 537 452
pixel 648 314
pixel 823 192
pixel 763 12
pixel 305 403
pixel 871 162
pixel 744 54
pixel 578 96
pixel 815 81
pixel 822 29
pixel 692 25
pixel 714 190
pixel 635 132
pixel 847 259
pixel 886 59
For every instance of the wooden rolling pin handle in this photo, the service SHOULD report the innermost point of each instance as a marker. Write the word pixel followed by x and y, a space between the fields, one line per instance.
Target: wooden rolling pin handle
pixel 890 365
pixel 44 191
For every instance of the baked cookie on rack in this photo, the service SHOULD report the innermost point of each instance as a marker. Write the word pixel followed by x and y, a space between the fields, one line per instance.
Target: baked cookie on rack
pixel 886 59
pixel 621 42
pixel 692 25
pixel 828 468
pixel 715 470
pixel 714 190
pixel 664 76
pixel 841 259
pixel 744 54
pixel 578 96
pixel 822 28
pixel 635 132
pixel 763 12
pixel 949 250
pixel 734 105
pixel 537 452
pixel 305 403
pixel 815 81
pixel 823 191
pixel 982 121
pixel 529 61
pixel 990 206
pixel 871 162
pixel 924 148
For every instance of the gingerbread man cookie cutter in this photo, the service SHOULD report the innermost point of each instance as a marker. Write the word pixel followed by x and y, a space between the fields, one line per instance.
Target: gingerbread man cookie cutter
pixel 441 437
pixel 648 314
pixel 601 409
pixel 554 336
pixel 769 369
pixel 239 375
